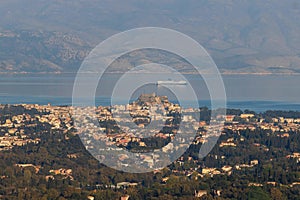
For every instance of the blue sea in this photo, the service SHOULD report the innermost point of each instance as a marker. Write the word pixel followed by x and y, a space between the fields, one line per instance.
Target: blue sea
pixel 253 92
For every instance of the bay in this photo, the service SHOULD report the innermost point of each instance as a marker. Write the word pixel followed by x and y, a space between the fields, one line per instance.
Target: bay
pixel 254 92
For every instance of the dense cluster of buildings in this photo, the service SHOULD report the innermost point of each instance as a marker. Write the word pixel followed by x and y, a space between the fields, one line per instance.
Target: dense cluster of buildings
pixel 124 125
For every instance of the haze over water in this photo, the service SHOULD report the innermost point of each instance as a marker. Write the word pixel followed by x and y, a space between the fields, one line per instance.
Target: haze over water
pixel 256 92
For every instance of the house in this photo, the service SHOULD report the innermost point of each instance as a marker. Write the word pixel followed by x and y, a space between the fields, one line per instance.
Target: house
pixel 289 120
pixel 271 183
pixel 227 168
pixel 61 171
pixel 246 116
pixel 284 135
pixel 49 177
pixel 208 170
pixel 126 197
pixel 229 118
pixel 211 171
pixel 91 198
pixel 297 120
pixel 200 193
pixel 294 184
pixel 164 180
pixel 126 185
pixel 254 162
pixel 255 184
pixel 228 144
pixel 12 131
pixel 218 192
pixel 22 166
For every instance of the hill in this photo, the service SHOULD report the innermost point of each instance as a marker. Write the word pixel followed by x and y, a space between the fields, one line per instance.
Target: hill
pixel 242 36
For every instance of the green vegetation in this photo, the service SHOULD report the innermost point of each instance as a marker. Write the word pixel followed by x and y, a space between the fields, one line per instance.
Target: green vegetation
pixel 274 176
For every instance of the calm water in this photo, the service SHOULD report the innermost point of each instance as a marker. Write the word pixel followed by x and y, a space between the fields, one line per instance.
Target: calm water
pixel 259 93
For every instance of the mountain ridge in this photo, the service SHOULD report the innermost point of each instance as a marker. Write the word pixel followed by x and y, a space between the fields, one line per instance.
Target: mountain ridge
pixel 241 36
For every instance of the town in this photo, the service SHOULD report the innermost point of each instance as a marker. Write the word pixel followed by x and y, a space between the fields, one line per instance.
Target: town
pixel 24 125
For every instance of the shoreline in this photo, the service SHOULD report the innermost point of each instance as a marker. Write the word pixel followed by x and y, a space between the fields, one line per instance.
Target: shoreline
pixel 257 106
pixel 118 72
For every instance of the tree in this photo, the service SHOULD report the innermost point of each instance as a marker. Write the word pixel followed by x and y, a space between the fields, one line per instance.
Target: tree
pixel 256 193
pixel 27 176
pixel 53 194
pixel 276 194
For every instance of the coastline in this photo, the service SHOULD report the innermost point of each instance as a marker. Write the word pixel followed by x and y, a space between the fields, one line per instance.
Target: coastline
pixel 257 106
pixel 184 73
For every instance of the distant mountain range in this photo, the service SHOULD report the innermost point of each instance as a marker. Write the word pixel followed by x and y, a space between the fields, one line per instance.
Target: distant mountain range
pixel 39 51
pixel 242 36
